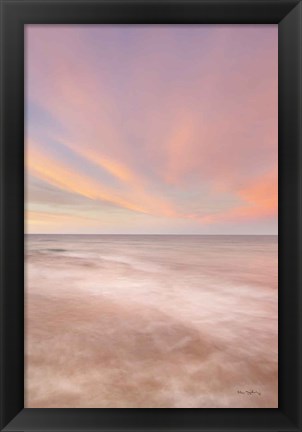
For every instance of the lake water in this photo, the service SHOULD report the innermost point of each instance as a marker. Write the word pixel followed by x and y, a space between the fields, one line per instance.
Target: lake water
pixel 151 321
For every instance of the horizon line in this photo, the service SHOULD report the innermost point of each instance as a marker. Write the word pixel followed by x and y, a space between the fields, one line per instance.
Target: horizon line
pixel 156 234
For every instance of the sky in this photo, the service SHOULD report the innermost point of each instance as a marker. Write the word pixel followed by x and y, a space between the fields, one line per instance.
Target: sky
pixel 151 129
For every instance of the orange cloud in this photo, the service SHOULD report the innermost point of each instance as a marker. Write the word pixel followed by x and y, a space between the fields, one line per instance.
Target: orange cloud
pixel 48 221
pixel 178 148
pixel 260 201
pixel 43 217
pixel 165 128
pixel 60 175
pixel 57 173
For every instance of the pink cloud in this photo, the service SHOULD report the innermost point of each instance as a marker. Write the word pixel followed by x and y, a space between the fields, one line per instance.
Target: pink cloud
pixel 213 123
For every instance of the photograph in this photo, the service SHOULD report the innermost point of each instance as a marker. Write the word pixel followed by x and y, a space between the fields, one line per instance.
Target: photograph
pixel 151 216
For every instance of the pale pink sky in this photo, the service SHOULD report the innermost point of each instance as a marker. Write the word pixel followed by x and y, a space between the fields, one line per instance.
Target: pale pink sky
pixel 151 129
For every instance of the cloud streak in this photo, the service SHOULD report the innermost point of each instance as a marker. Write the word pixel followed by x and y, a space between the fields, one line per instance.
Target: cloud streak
pixel 178 123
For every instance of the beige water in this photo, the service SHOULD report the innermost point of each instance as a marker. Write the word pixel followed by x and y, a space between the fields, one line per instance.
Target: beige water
pixel 151 321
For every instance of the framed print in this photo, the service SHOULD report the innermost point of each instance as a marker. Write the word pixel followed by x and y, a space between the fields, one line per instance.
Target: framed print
pixel 151 240
pixel 150 257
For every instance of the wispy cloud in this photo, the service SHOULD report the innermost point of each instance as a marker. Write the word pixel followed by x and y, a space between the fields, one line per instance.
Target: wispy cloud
pixel 177 123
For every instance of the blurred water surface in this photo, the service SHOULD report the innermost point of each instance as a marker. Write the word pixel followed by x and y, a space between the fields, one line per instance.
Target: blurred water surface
pixel 151 321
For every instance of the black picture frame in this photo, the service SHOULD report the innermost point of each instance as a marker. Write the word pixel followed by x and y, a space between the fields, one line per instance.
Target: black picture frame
pixel 14 15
